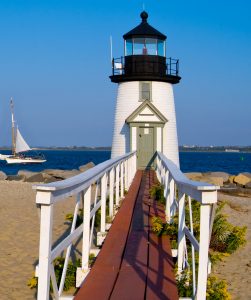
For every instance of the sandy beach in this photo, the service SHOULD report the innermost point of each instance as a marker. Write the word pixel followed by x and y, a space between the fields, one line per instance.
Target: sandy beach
pixel 19 241
pixel 19 237
pixel 236 269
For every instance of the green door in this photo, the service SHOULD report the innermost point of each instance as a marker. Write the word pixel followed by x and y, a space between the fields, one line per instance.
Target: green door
pixel 145 147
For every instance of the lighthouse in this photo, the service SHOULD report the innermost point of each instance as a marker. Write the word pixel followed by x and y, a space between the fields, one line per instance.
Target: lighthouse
pixel 145 119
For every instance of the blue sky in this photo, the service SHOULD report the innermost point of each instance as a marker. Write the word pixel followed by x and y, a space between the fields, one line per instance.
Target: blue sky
pixel 55 62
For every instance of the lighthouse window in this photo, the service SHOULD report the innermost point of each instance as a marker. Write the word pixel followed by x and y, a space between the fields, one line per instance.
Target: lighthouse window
pixel 139 46
pixel 161 48
pixel 145 92
pixel 151 46
pixel 129 47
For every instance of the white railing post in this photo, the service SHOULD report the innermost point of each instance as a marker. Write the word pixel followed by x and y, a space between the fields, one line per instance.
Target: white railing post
pixel 117 184
pixel 126 174
pixel 193 254
pixel 86 229
pixel 103 203
pixel 181 233
pixel 167 196
pixel 46 224
pixel 158 168
pixel 134 164
pixel 122 180
pixel 203 251
pixel 171 196
pixel 111 194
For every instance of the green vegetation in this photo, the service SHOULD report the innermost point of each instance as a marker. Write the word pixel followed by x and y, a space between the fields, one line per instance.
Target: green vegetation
pixel 225 240
pixel 157 193
pixel 70 279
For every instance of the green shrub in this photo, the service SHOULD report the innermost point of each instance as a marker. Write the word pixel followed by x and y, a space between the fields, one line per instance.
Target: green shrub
pixel 160 228
pixel 69 217
pixel 217 289
pixel 157 193
pixel 184 284
pixel 70 278
pixel 236 239
pixel 32 283
pixel 226 237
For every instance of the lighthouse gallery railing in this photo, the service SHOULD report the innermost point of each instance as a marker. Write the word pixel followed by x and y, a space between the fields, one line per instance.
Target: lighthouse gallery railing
pixel 92 188
pixel 178 191
pixel 170 65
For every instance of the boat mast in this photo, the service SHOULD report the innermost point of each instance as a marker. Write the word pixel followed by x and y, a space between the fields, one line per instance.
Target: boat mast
pixel 13 127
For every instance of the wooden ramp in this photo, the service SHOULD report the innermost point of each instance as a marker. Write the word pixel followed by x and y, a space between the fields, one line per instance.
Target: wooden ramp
pixel 133 263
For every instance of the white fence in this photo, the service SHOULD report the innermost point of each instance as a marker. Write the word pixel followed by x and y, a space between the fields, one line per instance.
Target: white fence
pixel 91 189
pixel 178 191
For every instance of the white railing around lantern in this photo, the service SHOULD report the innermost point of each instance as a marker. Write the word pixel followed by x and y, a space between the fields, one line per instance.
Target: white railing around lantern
pixel 92 189
pixel 178 191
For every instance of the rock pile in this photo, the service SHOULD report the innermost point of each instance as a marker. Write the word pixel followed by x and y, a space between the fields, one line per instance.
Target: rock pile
pixel 46 176
pixel 222 179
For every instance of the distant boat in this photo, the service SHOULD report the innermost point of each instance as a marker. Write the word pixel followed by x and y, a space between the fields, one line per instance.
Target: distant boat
pixel 232 150
pixel 19 146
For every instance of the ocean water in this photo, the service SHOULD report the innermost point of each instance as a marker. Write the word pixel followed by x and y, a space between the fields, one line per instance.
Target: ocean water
pixel 232 163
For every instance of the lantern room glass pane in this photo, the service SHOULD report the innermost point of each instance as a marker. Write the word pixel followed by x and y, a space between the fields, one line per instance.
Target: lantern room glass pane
pixel 139 46
pixel 151 46
pixel 161 48
pixel 129 47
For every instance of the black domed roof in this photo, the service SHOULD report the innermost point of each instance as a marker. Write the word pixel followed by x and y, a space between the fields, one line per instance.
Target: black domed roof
pixel 144 29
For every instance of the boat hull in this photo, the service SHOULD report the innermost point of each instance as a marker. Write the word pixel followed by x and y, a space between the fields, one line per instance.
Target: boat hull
pixel 26 160
pixel 4 156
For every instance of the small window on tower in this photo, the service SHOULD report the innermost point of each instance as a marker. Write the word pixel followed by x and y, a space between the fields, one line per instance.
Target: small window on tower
pixel 145 91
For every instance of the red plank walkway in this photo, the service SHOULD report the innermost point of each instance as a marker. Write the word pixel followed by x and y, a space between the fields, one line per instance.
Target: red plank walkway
pixel 133 263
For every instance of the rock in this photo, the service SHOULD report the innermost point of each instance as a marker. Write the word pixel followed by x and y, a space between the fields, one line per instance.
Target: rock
pixel 215 180
pixel 15 177
pixel 86 166
pixel 225 176
pixel 26 173
pixel 35 178
pixel 196 176
pixel 231 178
pixel 61 174
pixel 3 176
pixel 248 185
pixel 243 179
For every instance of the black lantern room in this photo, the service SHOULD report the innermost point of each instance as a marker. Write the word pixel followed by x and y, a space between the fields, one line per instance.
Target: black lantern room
pixel 145 56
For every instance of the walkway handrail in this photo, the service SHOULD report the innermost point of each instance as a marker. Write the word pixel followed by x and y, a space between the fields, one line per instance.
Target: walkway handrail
pixel 178 192
pixel 109 179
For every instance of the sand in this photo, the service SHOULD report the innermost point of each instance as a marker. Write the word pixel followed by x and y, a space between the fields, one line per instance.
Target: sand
pixel 19 241
pixel 19 237
pixel 236 269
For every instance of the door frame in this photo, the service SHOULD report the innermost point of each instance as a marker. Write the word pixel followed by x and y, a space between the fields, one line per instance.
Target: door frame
pixel 134 131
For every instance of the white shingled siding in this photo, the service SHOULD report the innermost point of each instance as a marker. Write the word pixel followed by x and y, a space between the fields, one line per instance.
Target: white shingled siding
pixel 128 101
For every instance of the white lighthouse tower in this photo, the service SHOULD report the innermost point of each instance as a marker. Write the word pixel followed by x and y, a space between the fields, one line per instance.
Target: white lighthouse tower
pixel 145 118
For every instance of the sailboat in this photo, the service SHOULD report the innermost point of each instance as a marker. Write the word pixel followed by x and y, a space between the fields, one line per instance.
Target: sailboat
pixel 19 146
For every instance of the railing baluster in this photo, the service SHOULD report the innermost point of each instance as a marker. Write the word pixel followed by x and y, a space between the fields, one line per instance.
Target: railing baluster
pixel 111 192
pixel 126 174
pixel 181 234
pixel 86 229
pixel 68 251
pixel 193 254
pixel 46 222
pixel 117 184
pixel 122 180
pixel 54 282
pixel 103 203
pixel 171 197
pixel 203 252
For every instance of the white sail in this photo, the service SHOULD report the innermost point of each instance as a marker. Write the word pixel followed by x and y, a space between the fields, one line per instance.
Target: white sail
pixel 21 145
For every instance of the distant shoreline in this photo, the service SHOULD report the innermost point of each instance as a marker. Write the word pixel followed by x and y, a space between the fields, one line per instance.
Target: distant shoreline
pixel 220 149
